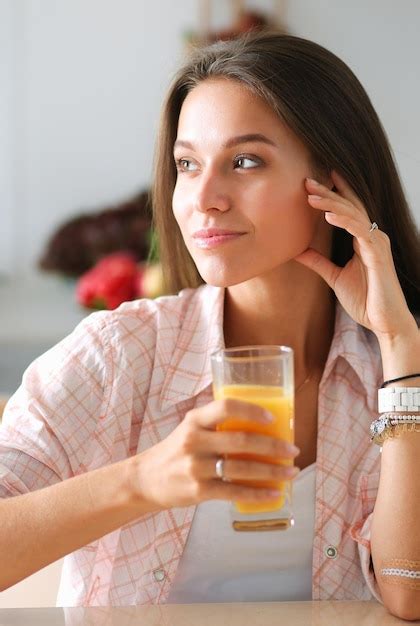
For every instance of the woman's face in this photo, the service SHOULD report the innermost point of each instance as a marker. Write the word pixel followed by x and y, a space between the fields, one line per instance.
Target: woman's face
pixel 239 199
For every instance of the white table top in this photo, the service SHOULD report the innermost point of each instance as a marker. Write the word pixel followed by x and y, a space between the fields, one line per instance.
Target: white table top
pixel 36 312
pixel 244 614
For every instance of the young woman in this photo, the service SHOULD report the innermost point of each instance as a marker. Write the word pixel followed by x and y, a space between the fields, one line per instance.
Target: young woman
pixel 275 188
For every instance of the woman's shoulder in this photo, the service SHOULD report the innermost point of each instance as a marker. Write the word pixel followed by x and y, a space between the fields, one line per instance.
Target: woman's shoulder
pixel 133 330
pixel 146 319
pixel 152 312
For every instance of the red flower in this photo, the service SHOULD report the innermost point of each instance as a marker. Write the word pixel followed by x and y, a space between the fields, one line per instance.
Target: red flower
pixel 109 283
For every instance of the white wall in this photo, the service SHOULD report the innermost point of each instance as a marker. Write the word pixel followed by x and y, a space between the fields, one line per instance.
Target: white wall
pixel 93 73
pixel 8 86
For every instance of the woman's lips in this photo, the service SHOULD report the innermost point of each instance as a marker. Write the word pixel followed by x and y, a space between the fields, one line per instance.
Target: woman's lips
pixel 214 237
pixel 215 240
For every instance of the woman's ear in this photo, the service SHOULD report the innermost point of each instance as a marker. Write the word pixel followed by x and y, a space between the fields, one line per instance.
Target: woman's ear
pixel 329 181
pixel 326 179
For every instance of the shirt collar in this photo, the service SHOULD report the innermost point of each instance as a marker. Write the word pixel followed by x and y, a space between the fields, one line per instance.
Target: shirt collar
pixel 360 349
pixel 201 333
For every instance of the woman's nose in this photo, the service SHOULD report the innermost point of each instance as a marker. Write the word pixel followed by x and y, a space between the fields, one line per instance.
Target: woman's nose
pixel 211 193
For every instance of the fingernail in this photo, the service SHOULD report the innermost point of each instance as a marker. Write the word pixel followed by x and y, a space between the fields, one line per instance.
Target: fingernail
pixel 312 197
pixel 313 181
pixel 292 471
pixel 292 449
pixel 269 417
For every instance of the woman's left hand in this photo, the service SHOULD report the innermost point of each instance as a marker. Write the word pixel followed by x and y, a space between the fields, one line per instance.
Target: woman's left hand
pixel 367 287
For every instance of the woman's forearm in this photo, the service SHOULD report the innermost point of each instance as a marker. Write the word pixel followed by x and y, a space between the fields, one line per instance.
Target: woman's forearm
pixel 395 537
pixel 41 527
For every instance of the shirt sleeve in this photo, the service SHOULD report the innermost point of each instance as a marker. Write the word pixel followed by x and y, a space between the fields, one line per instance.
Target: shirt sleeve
pixel 49 423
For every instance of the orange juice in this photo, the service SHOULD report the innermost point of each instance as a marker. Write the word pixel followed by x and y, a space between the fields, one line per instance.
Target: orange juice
pixel 281 407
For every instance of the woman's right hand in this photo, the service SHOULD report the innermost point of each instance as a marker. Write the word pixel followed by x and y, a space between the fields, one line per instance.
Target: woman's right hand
pixel 180 470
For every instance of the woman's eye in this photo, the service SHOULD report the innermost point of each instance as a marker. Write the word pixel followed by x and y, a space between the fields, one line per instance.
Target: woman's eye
pixel 247 163
pixel 243 162
pixel 184 165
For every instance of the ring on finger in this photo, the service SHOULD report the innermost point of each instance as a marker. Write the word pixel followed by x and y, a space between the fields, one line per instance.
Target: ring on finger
pixel 220 469
pixel 374 226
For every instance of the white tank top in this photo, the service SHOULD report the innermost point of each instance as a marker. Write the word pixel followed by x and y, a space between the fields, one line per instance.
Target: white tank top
pixel 222 565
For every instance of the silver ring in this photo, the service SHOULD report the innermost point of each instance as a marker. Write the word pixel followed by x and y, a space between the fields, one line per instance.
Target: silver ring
pixel 220 469
pixel 373 227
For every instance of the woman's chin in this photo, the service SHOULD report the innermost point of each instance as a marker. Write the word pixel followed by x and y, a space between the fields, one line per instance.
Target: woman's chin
pixel 224 277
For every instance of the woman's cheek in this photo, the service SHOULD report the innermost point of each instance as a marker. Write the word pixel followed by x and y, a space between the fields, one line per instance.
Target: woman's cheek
pixel 305 219
pixel 293 220
pixel 177 210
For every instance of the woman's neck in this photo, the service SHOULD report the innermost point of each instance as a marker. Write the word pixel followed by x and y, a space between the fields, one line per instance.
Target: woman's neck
pixel 291 306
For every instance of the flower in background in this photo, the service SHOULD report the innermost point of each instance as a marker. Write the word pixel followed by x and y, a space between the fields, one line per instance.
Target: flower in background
pixel 118 278
pixel 80 243
pixel 149 282
pixel 109 283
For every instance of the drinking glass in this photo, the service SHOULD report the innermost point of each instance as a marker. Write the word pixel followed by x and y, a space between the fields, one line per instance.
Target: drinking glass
pixel 262 375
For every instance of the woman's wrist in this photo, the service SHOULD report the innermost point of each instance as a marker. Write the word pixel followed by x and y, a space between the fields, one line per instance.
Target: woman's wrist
pixel 401 355
pixel 114 488
pixel 136 482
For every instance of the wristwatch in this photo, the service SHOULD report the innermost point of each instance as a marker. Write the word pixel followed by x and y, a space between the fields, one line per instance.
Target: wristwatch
pixel 398 399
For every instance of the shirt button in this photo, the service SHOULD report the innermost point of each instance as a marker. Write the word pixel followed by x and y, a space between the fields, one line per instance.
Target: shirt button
pixel 331 552
pixel 159 575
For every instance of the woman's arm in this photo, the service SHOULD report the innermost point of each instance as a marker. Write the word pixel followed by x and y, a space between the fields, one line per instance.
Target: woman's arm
pixel 395 534
pixel 39 528
pixel 369 290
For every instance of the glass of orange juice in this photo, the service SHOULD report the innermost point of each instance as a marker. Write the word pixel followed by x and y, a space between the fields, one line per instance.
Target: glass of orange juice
pixel 262 375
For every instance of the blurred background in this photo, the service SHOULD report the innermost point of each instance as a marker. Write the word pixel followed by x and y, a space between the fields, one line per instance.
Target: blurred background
pixel 81 85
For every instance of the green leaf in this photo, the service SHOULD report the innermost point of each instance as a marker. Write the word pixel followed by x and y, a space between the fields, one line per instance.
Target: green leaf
pixel 98 303
pixel 153 247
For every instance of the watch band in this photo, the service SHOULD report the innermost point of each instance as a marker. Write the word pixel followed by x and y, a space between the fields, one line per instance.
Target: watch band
pixel 398 399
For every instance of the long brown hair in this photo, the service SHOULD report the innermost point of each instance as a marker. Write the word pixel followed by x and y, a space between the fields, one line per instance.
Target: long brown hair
pixel 324 104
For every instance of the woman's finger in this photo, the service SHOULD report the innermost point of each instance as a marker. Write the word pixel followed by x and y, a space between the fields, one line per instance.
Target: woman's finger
pixel 344 195
pixel 316 188
pixel 317 262
pixel 361 231
pixel 347 192
pixel 350 220
pixel 236 469
pixel 212 414
pixel 335 205
pixel 237 442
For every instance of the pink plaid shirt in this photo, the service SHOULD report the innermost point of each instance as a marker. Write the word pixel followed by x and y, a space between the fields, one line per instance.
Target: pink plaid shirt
pixel 122 381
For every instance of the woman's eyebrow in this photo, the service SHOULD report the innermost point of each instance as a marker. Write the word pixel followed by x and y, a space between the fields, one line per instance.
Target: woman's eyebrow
pixel 233 141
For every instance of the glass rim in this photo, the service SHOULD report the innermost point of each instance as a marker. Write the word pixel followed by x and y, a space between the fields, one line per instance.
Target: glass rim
pixel 273 351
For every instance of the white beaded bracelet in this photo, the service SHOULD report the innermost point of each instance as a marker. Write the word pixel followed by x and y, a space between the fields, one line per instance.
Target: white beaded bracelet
pixel 392 571
pixel 397 418
pixel 389 424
